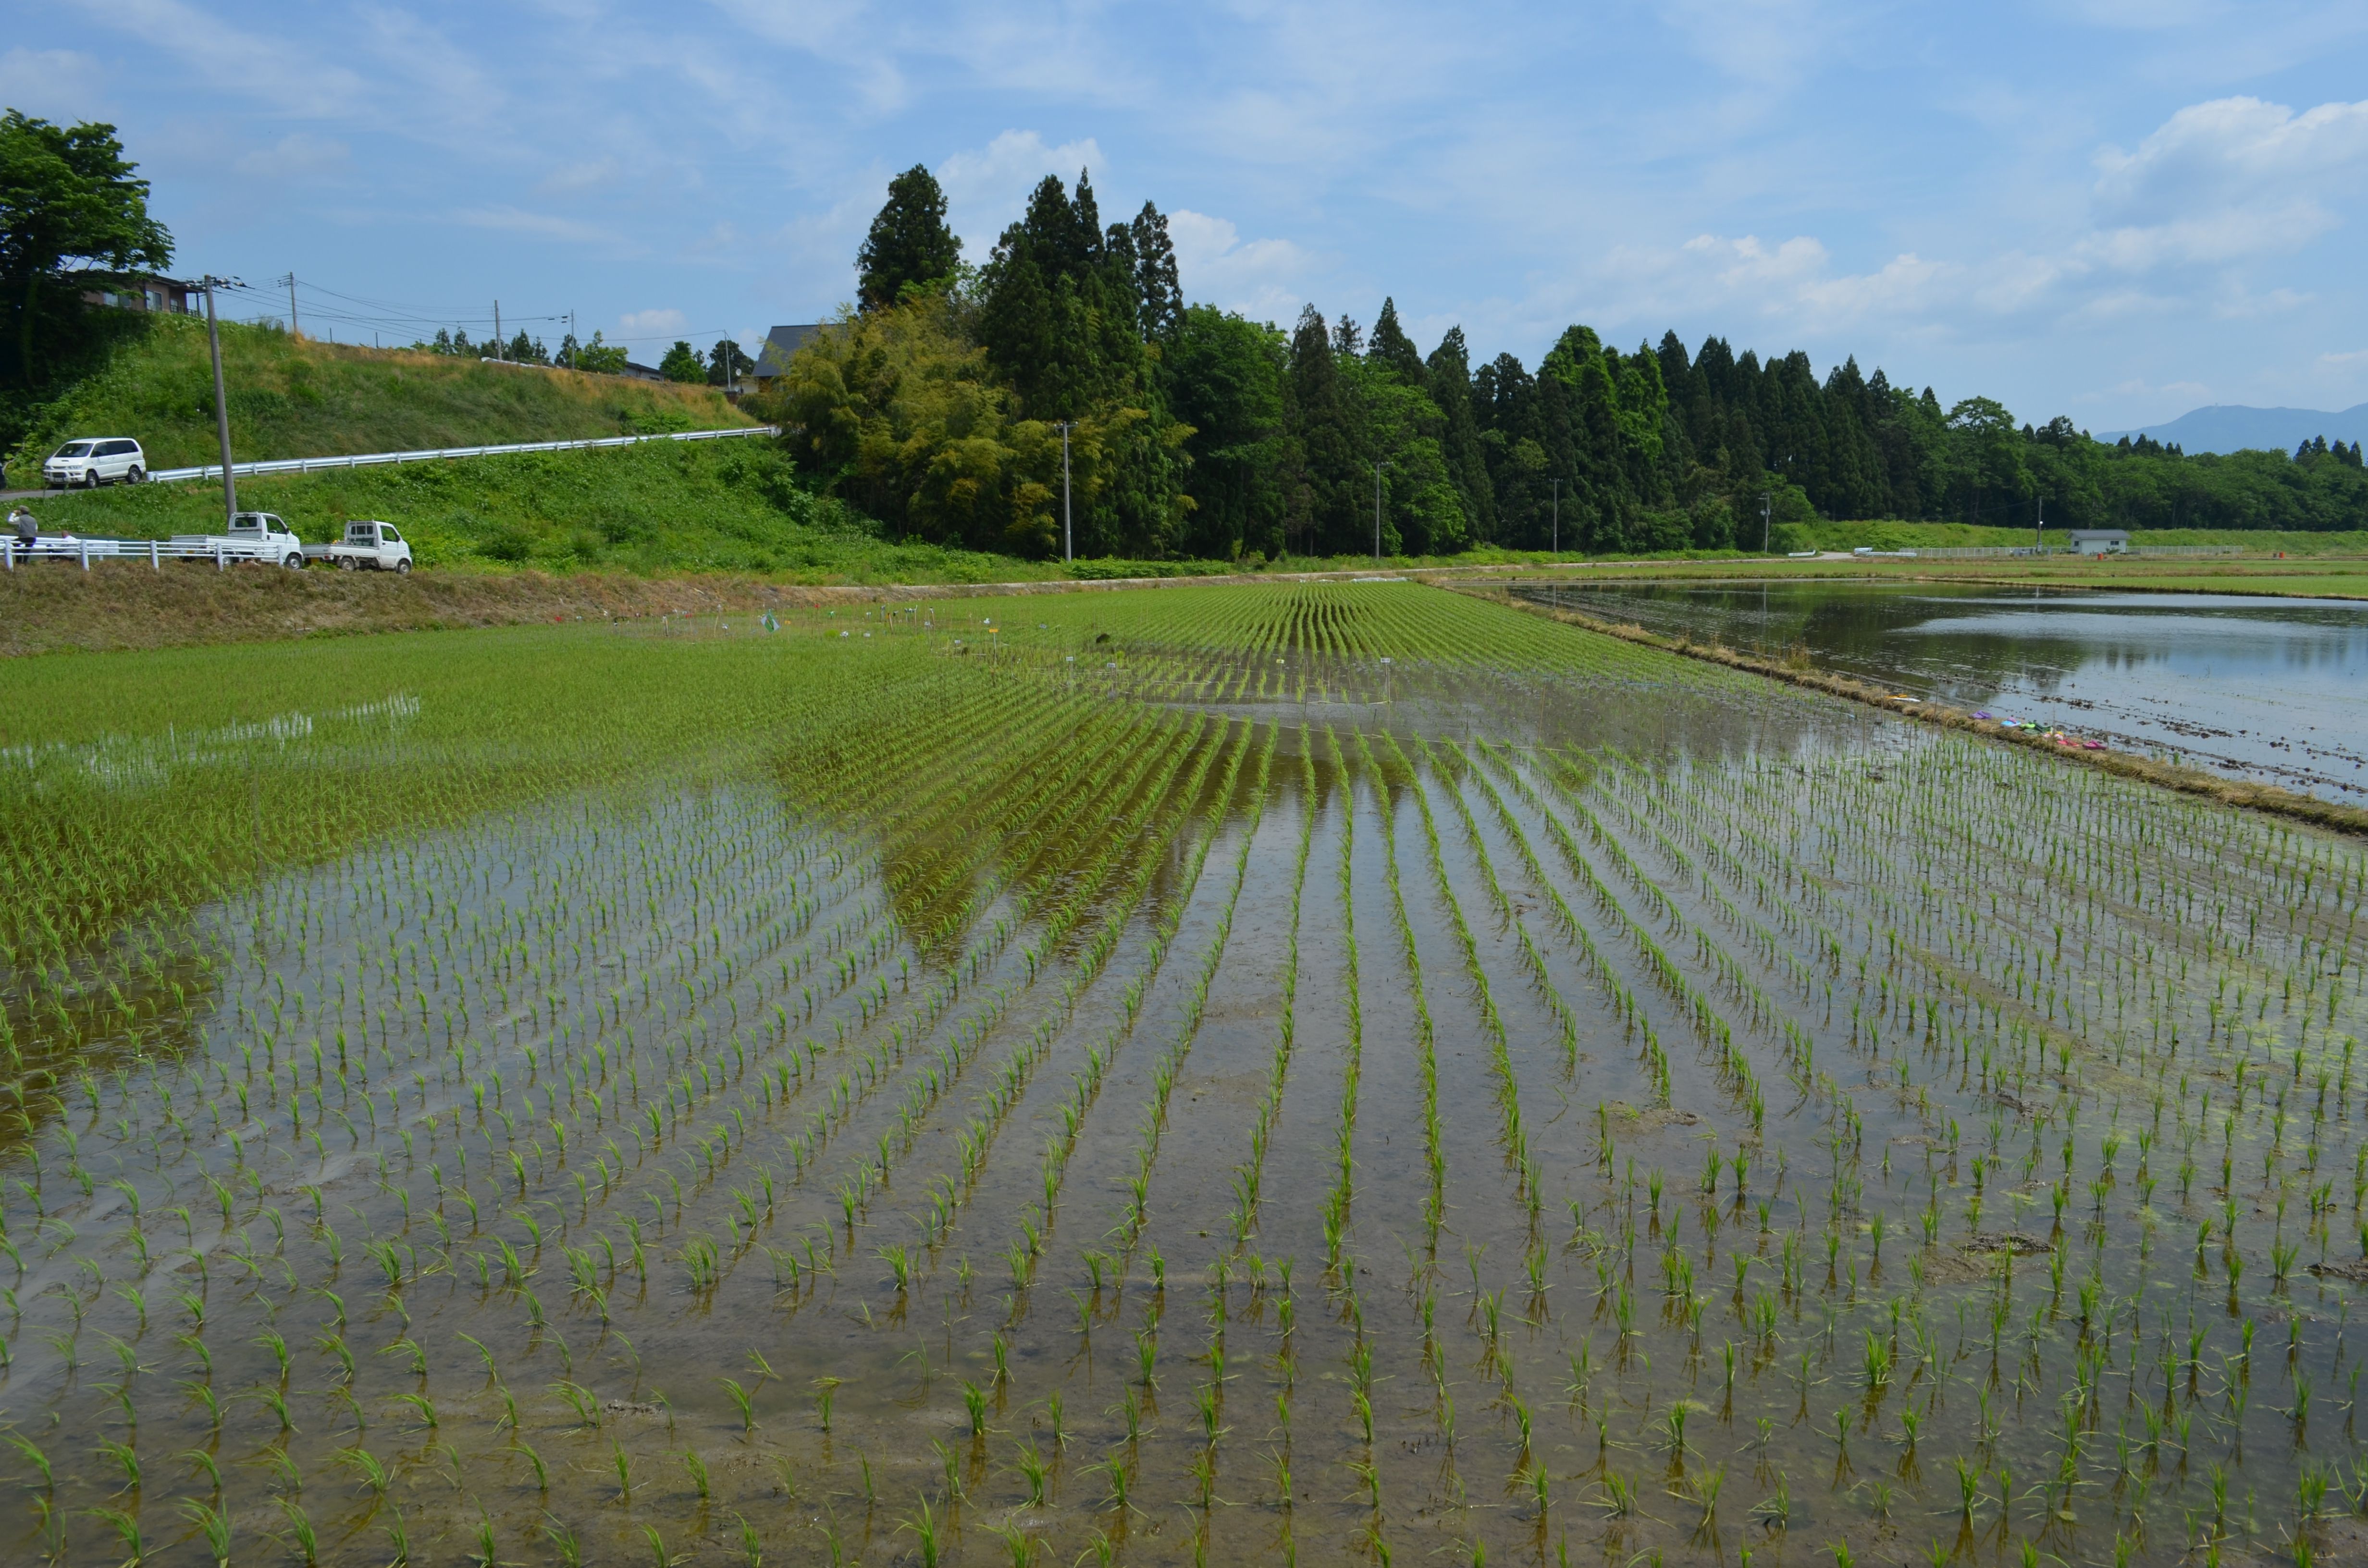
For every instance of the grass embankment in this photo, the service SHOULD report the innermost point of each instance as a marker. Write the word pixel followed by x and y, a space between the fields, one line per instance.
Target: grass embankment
pixel 2169 775
pixel 2324 577
pixel 1884 535
pixel 665 505
pixel 295 397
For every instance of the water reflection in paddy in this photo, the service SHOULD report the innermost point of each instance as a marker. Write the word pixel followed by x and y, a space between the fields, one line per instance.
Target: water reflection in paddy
pixel 2270 688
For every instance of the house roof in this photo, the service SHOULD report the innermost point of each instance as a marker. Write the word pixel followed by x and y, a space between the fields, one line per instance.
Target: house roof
pixel 780 344
pixel 2100 533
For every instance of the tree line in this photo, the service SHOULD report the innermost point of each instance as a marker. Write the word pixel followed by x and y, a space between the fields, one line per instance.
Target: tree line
pixel 939 401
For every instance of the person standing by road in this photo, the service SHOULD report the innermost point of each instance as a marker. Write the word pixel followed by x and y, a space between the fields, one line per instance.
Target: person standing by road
pixel 28 532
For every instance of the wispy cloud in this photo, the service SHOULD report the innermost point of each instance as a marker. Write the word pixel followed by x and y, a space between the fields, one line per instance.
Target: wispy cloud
pixel 2042 203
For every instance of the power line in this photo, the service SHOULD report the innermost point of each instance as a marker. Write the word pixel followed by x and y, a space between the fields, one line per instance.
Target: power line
pixel 364 313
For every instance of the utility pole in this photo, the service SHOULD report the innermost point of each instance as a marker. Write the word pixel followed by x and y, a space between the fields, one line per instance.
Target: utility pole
pixel 1377 511
pixel 497 329
pixel 1766 520
pixel 222 407
pixel 1068 541
pixel 293 329
pixel 2041 529
pixel 1557 515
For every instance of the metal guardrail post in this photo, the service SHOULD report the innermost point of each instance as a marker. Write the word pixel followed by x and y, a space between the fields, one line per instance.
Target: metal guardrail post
pixel 8 553
pixel 218 558
pixel 156 557
pixel 86 556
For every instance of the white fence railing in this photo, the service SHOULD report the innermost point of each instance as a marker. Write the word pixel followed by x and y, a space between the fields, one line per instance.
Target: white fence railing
pixel 372 459
pixel 156 552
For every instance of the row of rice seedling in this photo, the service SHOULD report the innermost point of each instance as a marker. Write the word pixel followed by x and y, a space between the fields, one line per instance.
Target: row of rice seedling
pixel 831 1115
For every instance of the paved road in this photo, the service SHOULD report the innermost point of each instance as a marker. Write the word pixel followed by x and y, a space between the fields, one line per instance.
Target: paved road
pixel 22 494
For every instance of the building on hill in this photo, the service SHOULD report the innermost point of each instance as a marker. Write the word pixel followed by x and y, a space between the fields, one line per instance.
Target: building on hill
pixel 780 344
pixel 143 291
pixel 633 372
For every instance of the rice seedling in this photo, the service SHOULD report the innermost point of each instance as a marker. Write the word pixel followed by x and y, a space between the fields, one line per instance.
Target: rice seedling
pixel 850 919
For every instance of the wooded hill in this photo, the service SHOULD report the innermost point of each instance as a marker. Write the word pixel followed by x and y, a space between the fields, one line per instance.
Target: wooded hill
pixel 936 407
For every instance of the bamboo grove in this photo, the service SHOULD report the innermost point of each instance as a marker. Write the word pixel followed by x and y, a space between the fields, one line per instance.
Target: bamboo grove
pixel 1341 1073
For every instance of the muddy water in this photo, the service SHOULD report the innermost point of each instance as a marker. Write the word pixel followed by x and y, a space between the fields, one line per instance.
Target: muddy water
pixel 559 1187
pixel 2265 688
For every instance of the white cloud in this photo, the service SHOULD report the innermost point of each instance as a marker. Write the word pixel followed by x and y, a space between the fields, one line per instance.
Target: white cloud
pixel 590 173
pixel 543 225
pixel 2223 152
pixel 2223 180
pixel 1791 282
pixel 1258 277
pixel 49 83
pixel 283 73
pixel 302 156
pixel 1767 41
pixel 987 188
pixel 651 323
pixel 2353 357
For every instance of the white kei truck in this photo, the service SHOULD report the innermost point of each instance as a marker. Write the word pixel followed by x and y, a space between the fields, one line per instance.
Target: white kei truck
pixel 368 543
pixel 253 535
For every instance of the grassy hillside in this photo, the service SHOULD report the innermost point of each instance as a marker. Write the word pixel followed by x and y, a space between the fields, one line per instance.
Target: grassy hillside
pixel 293 397
pixel 662 506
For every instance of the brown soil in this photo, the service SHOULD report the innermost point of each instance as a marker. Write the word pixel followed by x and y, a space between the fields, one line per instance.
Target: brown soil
pixel 57 607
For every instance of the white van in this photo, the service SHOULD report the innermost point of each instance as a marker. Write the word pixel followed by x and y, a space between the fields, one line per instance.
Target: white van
pixel 91 464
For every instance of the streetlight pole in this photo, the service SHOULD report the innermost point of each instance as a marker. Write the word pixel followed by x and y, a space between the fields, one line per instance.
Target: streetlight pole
pixel 1557 515
pixel 1069 547
pixel 1377 511
pixel 222 407
pixel 2041 529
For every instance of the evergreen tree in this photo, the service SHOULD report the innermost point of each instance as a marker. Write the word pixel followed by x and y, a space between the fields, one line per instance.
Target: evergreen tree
pixel 1323 514
pixel 1392 348
pixel 1058 308
pixel 1224 380
pixel 910 244
pixel 1160 308
pixel 727 362
pixel 1449 376
pixel 683 363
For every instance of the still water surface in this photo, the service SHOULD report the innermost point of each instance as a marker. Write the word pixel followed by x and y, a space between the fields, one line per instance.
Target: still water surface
pixel 2268 688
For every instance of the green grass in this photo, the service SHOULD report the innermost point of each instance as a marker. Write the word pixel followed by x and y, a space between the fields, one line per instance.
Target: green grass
pixel 663 506
pixel 1881 535
pixel 294 397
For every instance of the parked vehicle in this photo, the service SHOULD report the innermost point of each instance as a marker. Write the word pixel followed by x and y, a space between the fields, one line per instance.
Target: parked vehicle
pixel 379 546
pixel 253 535
pixel 97 461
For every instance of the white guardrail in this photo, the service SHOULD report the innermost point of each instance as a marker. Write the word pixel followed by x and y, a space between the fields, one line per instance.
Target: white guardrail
pixel 370 460
pixel 156 552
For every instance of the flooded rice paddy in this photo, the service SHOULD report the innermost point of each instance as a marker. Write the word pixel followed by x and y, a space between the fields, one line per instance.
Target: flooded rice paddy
pixel 2250 687
pixel 1344 1074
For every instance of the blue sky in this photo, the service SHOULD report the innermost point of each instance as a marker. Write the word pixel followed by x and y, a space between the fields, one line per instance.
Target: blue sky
pixel 2113 208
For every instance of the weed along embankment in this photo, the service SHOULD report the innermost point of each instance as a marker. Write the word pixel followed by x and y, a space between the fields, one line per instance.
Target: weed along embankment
pixel 2169 775
pixel 1342 1072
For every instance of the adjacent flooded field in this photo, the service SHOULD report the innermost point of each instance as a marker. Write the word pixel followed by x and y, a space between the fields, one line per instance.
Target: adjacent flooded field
pixel 2253 688
pixel 1342 1074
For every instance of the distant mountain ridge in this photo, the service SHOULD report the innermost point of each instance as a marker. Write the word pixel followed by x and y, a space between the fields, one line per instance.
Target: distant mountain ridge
pixel 2234 427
